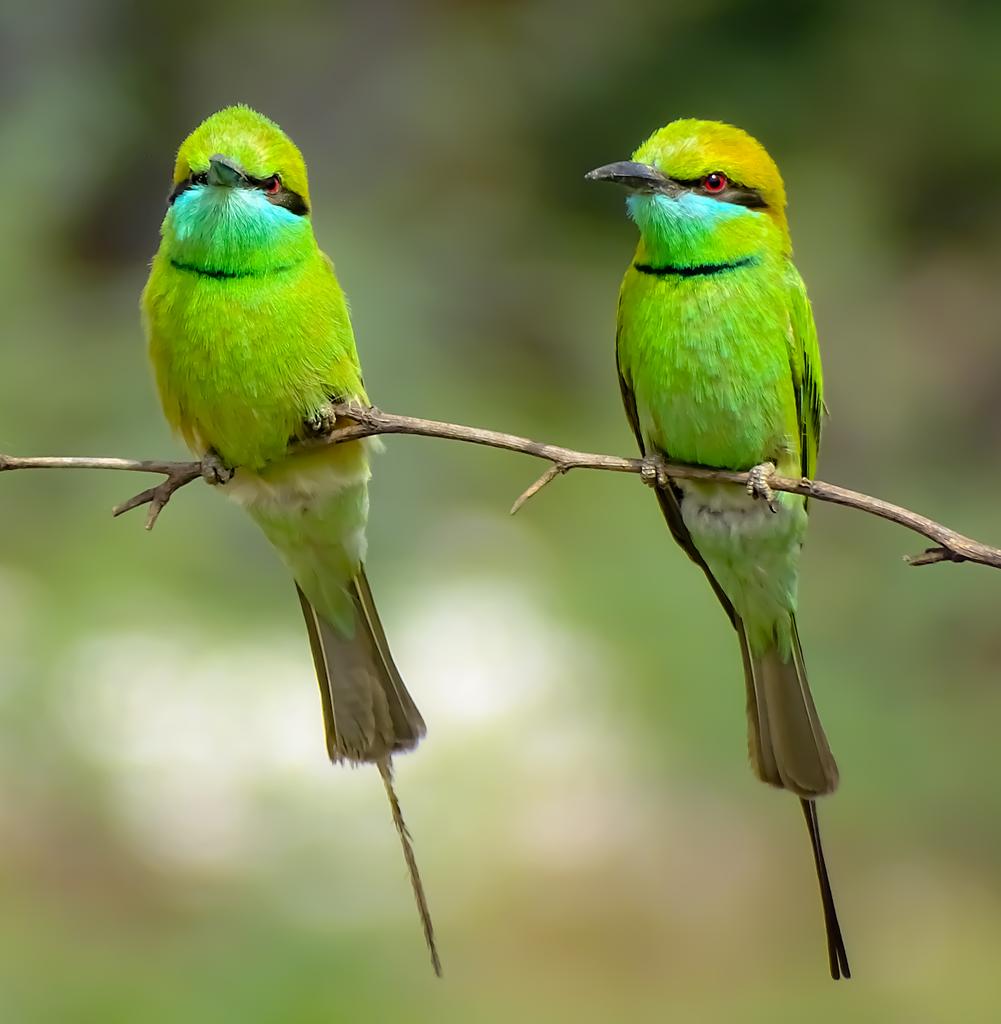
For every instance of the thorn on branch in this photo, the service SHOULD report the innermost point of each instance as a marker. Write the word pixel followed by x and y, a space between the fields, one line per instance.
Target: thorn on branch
pixel 555 470
pixel 931 556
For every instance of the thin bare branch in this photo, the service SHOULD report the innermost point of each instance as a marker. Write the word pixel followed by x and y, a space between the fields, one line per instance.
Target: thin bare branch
pixel 355 423
pixel 548 477
pixel 177 475
pixel 11 462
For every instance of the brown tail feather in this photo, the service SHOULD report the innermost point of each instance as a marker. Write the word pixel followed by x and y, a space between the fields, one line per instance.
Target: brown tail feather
pixel 368 715
pixel 407 722
pixel 837 955
pixel 367 712
pixel 386 771
pixel 788 749
pixel 786 741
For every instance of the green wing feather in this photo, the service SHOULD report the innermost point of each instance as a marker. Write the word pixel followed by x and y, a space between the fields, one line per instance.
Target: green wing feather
pixel 669 501
pixel 807 374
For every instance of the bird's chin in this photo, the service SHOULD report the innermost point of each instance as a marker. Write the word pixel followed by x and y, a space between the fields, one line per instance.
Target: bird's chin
pixel 219 227
pixel 653 211
pixel 688 213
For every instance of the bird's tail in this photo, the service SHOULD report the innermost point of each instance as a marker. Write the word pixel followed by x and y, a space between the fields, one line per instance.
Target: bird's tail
pixel 368 715
pixel 788 749
pixel 786 741
pixel 386 771
pixel 837 955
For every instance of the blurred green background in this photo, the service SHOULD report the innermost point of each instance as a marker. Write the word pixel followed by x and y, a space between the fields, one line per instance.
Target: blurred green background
pixel 173 845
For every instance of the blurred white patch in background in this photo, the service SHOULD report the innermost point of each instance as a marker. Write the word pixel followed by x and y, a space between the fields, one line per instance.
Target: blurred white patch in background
pixel 479 652
pixel 206 741
pixel 212 752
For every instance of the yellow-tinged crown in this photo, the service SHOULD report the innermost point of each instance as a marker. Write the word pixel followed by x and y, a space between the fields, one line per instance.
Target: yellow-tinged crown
pixel 689 149
pixel 254 141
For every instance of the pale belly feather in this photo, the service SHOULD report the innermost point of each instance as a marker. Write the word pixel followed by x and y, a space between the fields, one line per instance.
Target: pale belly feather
pixel 752 551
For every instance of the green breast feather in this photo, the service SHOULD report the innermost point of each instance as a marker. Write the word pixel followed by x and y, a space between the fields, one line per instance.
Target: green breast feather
pixel 708 362
pixel 241 362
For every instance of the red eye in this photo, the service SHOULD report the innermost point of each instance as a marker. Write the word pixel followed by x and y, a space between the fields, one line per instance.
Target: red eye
pixel 273 185
pixel 714 183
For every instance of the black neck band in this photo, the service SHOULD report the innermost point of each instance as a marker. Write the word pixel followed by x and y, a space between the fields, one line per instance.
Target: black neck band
pixel 227 275
pixel 703 270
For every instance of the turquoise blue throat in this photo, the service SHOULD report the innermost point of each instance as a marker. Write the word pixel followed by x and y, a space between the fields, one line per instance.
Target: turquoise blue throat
pixel 696 235
pixel 227 233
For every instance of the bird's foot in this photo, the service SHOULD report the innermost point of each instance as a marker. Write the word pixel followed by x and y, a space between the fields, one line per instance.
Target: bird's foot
pixel 322 422
pixel 333 414
pixel 653 471
pixel 214 470
pixel 757 483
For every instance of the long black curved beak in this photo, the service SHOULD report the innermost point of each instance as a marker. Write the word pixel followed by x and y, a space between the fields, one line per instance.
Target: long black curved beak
pixel 634 176
pixel 225 171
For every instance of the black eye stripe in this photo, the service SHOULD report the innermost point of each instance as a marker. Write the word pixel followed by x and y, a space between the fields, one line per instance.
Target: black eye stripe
pixel 734 192
pixel 180 187
pixel 748 197
pixel 285 197
pixel 291 201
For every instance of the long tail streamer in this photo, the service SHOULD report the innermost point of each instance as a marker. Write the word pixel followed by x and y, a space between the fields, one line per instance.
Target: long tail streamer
pixel 386 771
pixel 836 952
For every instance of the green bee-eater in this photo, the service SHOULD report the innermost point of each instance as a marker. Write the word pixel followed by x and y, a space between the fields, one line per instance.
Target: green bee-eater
pixel 719 365
pixel 251 342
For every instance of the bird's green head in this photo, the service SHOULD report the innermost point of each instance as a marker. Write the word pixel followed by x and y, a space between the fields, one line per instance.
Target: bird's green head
pixel 703 192
pixel 239 205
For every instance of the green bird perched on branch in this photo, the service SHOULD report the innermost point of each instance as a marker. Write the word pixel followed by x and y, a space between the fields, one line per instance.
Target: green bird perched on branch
pixel 719 366
pixel 251 342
